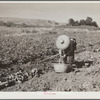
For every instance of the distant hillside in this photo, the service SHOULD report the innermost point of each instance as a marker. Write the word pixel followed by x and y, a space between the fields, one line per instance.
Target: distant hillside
pixel 35 22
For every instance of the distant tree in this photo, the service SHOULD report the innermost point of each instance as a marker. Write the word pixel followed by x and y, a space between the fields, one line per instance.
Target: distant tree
pixel 82 22
pixel 71 21
pixel 56 23
pixel 94 24
pixel 89 21
pixel 2 23
pixel 49 21
pixel 10 24
pixel 24 25
pixel 76 23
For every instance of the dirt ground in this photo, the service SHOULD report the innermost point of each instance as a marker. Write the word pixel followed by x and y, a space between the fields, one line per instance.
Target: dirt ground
pixel 30 45
pixel 84 76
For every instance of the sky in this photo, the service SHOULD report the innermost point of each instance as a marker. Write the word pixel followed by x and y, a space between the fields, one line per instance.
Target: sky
pixel 59 12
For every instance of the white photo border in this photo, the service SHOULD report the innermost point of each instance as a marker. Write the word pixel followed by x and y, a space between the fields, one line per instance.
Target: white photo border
pixel 50 95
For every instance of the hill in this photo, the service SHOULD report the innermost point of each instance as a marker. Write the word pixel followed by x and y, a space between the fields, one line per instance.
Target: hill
pixel 35 22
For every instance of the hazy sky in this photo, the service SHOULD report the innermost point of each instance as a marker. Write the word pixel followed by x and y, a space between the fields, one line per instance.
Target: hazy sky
pixel 60 12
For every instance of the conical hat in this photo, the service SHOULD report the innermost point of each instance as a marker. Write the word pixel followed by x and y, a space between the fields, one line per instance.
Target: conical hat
pixel 62 42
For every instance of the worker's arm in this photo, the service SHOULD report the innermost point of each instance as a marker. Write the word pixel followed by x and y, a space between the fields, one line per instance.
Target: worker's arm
pixel 62 54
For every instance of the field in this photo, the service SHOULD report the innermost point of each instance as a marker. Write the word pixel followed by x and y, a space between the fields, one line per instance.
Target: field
pixel 24 49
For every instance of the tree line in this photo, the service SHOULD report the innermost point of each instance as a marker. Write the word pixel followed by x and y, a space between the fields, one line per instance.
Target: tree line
pixel 88 21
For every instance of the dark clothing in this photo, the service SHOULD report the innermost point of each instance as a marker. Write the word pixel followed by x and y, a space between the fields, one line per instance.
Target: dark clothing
pixel 70 52
pixel 70 59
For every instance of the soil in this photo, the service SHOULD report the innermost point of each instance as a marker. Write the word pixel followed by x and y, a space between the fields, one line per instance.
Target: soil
pixel 84 76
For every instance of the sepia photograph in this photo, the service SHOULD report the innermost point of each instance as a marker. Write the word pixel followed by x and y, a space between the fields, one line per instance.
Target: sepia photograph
pixel 49 47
